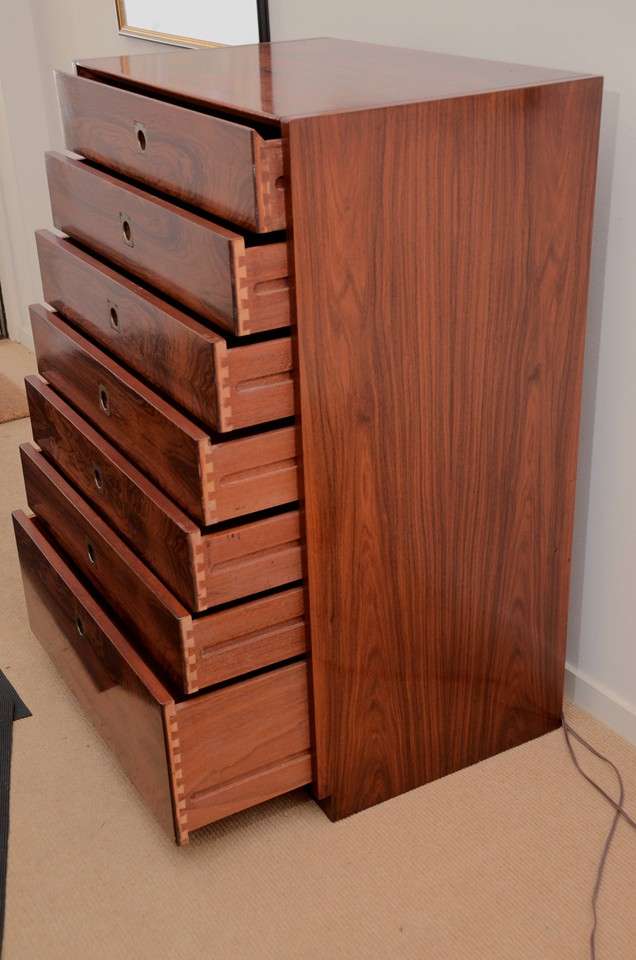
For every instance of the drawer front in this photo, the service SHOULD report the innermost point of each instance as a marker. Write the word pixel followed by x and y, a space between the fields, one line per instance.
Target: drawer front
pixel 147 609
pixel 224 167
pixel 220 645
pixel 210 481
pixel 223 388
pixel 188 257
pixel 145 518
pixel 213 754
pixel 163 344
pixel 115 688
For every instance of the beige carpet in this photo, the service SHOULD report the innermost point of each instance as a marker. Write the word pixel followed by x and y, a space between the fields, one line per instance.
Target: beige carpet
pixel 496 862
pixel 15 363
pixel 13 403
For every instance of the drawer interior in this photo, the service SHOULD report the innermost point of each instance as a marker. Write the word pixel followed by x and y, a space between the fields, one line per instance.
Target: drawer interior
pixel 223 165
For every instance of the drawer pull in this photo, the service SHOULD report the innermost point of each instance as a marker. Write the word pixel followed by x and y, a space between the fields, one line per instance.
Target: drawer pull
pixel 90 552
pixel 114 318
pixel 98 478
pixel 142 139
pixel 104 399
pixel 126 229
pixel 79 626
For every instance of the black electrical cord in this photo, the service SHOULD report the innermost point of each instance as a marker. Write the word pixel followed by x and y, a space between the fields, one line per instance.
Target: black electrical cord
pixel 619 812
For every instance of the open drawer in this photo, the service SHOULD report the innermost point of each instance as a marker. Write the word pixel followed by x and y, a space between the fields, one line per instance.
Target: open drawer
pixel 223 166
pixel 237 561
pixel 179 552
pixel 239 281
pixel 225 383
pixel 194 760
pixel 193 650
pixel 212 477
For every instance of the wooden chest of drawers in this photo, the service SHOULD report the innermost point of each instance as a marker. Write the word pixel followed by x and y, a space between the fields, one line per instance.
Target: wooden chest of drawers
pixel 310 374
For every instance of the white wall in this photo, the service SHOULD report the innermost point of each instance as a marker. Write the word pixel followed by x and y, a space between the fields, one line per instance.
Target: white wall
pixel 35 38
pixel 584 35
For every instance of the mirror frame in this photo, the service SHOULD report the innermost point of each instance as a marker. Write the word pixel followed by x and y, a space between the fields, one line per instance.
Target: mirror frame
pixel 127 30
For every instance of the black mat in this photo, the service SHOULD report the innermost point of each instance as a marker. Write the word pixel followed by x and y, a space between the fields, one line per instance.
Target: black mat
pixel 12 707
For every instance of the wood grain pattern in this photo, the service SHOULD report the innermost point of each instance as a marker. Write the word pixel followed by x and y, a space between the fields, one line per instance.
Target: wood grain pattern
pixel 301 78
pixel 223 167
pixel 183 557
pixel 245 559
pixel 115 688
pixel 224 387
pixel 211 478
pixel 194 652
pixel 250 635
pixel 165 538
pixel 145 607
pixel 244 744
pixel 191 258
pixel 213 754
pixel 451 318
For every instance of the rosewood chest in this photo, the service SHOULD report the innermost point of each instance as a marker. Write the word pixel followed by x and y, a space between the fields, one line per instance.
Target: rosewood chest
pixel 307 417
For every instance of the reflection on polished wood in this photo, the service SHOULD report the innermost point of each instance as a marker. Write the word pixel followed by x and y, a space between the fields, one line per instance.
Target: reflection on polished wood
pixel 213 477
pixel 225 386
pixel 232 563
pixel 451 318
pixel 280 81
pixel 194 259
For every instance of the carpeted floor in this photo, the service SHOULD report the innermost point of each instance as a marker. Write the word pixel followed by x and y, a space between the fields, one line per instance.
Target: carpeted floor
pixel 496 862
pixel 15 363
pixel 13 404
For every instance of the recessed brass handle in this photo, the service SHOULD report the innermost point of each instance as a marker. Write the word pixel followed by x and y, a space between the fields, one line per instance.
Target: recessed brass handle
pixel 104 399
pixel 126 229
pixel 90 552
pixel 142 137
pixel 79 626
pixel 98 478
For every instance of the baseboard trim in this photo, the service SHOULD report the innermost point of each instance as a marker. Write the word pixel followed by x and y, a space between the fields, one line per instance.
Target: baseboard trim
pixel 602 703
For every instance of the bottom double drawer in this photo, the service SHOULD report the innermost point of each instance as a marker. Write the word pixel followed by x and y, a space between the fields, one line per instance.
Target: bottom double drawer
pixel 195 759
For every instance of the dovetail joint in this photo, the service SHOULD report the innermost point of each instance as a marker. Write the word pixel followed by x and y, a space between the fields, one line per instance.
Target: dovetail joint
pixel 209 484
pixel 201 573
pixel 178 787
pixel 271 197
pixel 225 392
pixel 242 292
pixel 190 660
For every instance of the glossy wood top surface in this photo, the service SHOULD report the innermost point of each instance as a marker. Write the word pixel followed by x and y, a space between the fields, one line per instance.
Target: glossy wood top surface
pixel 279 81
